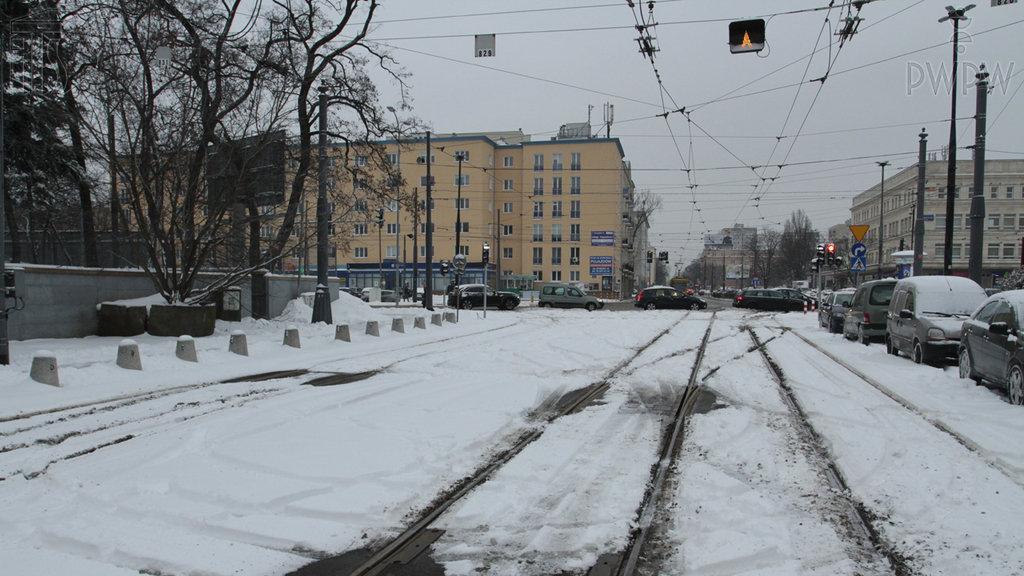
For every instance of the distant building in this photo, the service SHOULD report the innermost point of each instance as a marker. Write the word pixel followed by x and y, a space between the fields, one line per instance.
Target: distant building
pixel 726 260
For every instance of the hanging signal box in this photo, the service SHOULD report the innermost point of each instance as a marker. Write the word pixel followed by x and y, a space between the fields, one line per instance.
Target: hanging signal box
pixel 746 36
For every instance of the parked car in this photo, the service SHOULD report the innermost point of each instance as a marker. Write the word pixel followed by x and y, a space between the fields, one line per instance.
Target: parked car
pixel 797 294
pixel 558 295
pixel 926 316
pixel 764 299
pixel 385 295
pixel 865 320
pixel 351 290
pixel 992 347
pixel 657 297
pixel 469 296
pixel 832 312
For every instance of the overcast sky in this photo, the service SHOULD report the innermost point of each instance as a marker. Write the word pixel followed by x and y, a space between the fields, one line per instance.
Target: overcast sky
pixel 554 58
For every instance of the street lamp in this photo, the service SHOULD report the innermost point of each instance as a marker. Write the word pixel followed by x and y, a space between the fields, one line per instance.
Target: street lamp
pixel 881 213
pixel 398 210
pixel 322 298
pixel 947 258
pixel 460 157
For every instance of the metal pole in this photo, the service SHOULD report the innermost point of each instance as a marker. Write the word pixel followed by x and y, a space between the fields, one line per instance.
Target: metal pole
pixel 947 257
pixel 881 213
pixel 399 287
pixel 428 290
pixel 5 351
pixel 922 165
pixel 415 242
pixel 978 201
pixel 458 219
pixel 322 298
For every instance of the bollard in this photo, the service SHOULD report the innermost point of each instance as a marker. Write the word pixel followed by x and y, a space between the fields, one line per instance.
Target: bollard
pixel 372 329
pixel 291 336
pixel 420 322
pixel 237 344
pixel 128 355
pixel 435 319
pixel 186 349
pixel 451 317
pixel 341 333
pixel 44 368
pixel 805 306
pixel 398 325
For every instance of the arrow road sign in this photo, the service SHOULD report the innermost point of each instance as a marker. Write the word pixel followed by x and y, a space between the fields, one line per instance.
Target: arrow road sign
pixel 858 250
pixel 858 264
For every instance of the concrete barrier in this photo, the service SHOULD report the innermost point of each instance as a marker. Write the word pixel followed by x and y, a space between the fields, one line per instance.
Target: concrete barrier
pixel 398 325
pixel 237 344
pixel 451 317
pixel 341 332
pixel 435 319
pixel 128 355
pixel 291 336
pixel 44 368
pixel 372 328
pixel 420 322
pixel 186 349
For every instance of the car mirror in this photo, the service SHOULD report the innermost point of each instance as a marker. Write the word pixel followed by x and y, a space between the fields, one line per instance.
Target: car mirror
pixel 999 328
pixel 906 314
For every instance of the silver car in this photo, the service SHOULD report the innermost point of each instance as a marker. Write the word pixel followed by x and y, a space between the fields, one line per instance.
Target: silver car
pixel 926 316
pixel 832 312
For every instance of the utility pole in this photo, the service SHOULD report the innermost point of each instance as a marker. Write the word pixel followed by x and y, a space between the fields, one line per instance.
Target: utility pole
pixel 428 289
pixel 322 298
pixel 978 201
pixel 947 257
pixel 399 288
pixel 459 157
pixel 415 242
pixel 919 209
pixel 881 213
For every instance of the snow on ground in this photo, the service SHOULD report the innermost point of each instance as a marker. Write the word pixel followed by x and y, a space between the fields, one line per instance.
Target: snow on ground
pixel 259 478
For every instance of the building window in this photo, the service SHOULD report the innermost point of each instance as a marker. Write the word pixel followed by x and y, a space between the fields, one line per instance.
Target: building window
pixel 360 230
pixel 1008 251
pixel 574 209
pixel 423 205
pixel 556 232
pixel 556 256
pixel 538 275
pixel 506 253
pixel 575 163
pixel 556 162
pixel 574 275
pixel 993 222
pixel 556 275
pixel 509 163
pixel 957 221
pixel 538 210
pixel 391 205
pixel 993 250
pixel 956 251
pixel 392 159
pixel 507 184
pixel 538 232
pixel 1008 221
pixel 556 186
pixel 464 250
pixel 574 256
pixel 995 192
pixel 538 186
pixel 538 162
pixel 360 183
pixel 464 225
pixel 362 252
pixel 423 227
pixel 423 252
pixel 391 251
pixel 942 192
pixel 360 206
pixel 574 185
pixel 392 229
pixel 506 229
pixel 940 251
pixel 461 180
pixel 507 207
pixel 266 231
pixel 1009 191
pixel 538 256
pixel 556 209
pixel 422 158
pixel 461 203
pixel 360 160
pixel 574 232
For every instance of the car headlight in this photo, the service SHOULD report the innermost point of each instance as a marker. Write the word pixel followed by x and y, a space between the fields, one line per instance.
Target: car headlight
pixel 936 334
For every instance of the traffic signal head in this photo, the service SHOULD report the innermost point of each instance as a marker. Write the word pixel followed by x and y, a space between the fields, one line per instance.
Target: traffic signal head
pixel 445 266
pixel 746 36
pixel 380 215
pixel 650 257
pixel 830 254
pixel 821 251
pixel 663 256
pixel 486 253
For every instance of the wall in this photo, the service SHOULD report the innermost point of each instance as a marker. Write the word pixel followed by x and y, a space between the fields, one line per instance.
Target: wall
pixel 60 302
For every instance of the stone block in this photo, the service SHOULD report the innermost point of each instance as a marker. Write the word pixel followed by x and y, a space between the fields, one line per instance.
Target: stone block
pixel 435 319
pixel 341 332
pixel 128 355
pixel 44 368
pixel 118 320
pixel 186 349
pixel 420 322
pixel 372 328
pixel 166 320
pixel 291 336
pixel 237 344
pixel 451 317
pixel 398 325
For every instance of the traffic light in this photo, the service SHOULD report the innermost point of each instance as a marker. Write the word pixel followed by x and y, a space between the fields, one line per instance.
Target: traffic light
pixel 380 216
pixel 821 253
pixel 663 256
pixel 746 36
pixel 830 256
pixel 650 257
pixel 486 253
pixel 815 264
pixel 445 266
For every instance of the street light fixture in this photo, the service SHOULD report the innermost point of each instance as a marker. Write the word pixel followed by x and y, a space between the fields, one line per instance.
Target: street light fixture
pixel 322 298
pixel 947 258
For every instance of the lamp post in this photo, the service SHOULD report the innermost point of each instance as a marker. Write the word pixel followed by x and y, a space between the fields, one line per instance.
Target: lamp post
pixel 922 164
pixel 460 157
pixel 322 299
pixel 947 257
pixel 977 215
pixel 398 210
pixel 881 214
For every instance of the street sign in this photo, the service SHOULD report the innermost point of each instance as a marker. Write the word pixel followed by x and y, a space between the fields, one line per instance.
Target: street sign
pixel 459 263
pixel 859 231
pixel 858 250
pixel 859 264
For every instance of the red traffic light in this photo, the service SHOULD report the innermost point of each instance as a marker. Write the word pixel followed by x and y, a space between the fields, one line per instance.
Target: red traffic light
pixel 831 248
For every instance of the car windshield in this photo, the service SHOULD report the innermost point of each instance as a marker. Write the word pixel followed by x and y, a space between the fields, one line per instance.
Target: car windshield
pixel 843 300
pixel 948 303
pixel 881 295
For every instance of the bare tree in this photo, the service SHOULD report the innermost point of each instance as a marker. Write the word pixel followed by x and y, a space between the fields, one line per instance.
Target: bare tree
pixel 764 248
pixel 797 247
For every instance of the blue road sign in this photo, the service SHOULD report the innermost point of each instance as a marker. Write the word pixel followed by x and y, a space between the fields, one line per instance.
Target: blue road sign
pixel 859 264
pixel 858 250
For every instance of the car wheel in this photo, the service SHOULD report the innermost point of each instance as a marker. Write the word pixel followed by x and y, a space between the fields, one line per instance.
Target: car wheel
pixel 861 337
pixel 510 305
pixel 545 305
pixel 966 368
pixel 1015 385
pixel 695 306
pixel 918 353
pixel 890 347
pixel 651 306
pixel 467 305
pixel 590 306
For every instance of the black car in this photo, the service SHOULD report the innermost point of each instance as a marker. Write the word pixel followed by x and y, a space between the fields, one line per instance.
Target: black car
pixel 990 346
pixel 657 297
pixel 471 296
pixel 764 299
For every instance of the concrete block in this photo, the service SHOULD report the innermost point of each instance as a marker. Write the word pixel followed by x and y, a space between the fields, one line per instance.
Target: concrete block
pixel 435 319
pixel 420 322
pixel 118 320
pixel 128 355
pixel 372 329
pixel 44 368
pixel 451 317
pixel 291 336
pixel 341 332
pixel 237 344
pixel 186 349
pixel 398 325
